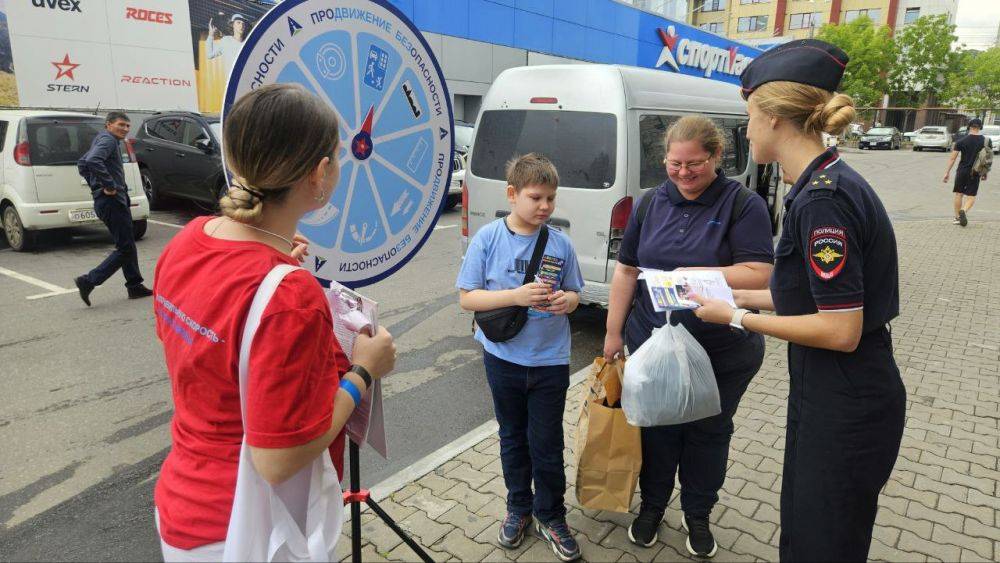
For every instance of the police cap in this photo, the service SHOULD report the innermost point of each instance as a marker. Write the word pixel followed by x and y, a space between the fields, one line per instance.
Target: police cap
pixel 806 61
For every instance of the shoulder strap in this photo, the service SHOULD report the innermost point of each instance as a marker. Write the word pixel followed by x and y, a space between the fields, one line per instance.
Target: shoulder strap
pixel 536 255
pixel 260 301
pixel 739 202
pixel 645 200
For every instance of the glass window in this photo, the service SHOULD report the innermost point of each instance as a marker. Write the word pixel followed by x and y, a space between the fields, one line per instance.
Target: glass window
pixel 169 129
pixel 804 21
pixel 713 6
pixel 911 15
pixel 851 15
pixel 60 141
pixel 752 23
pixel 875 15
pixel 582 145
pixel 713 27
pixel 652 128
pixel 754 1
pixel 193 133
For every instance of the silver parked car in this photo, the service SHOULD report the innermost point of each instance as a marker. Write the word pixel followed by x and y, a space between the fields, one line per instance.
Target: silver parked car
pixel 932 138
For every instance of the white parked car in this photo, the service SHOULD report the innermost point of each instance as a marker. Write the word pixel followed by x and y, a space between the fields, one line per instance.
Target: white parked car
pixel 40 187
pixel 993 132
pixel 932 137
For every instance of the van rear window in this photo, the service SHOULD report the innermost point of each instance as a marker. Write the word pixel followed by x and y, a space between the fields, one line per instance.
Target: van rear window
pixel 582 145
pixel 55 141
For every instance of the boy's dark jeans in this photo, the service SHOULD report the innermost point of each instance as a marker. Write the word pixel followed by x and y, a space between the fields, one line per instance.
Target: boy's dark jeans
pixel 529 403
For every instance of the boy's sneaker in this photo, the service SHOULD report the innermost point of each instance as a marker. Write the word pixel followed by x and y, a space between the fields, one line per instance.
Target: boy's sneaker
pixel 700 541
pixel 642 531
pixel 957 221
pixel 561 539
pixel 962 218
pixel 512 530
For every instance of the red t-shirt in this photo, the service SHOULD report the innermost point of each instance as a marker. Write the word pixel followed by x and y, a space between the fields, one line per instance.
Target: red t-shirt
pixel 202 293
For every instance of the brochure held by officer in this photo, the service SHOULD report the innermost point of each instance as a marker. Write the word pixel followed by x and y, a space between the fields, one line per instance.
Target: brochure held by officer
pixel 669 291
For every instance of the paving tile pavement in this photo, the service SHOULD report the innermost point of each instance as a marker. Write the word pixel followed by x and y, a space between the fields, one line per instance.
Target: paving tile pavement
pixel 940 504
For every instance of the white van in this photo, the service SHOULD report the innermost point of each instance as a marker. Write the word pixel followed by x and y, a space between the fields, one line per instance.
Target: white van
pixel 603 127
pixel 40 187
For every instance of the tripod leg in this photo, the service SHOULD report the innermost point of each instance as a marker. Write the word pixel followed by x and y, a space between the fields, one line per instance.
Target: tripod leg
pixel 399 531
pixel 355 506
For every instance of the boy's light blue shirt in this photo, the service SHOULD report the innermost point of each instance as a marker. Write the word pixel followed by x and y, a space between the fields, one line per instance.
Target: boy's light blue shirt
pixel 496 259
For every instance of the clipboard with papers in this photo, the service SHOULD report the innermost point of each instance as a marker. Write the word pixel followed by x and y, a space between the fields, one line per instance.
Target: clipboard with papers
pixel 354 313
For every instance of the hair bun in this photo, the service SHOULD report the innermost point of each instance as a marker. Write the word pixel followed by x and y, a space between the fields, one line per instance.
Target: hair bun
pixel 837 114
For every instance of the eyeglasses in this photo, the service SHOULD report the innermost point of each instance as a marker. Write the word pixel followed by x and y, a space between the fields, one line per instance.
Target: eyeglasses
pixel 696 166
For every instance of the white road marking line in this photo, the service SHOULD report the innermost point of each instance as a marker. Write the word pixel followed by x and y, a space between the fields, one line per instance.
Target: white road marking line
pixel 440 227
pixel 155 222
pixel 33 281
pixel 51 294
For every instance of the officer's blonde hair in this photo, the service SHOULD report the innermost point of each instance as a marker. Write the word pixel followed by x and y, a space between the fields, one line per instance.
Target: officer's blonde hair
pixel 695 128
pixel 273 137
pixel 813 109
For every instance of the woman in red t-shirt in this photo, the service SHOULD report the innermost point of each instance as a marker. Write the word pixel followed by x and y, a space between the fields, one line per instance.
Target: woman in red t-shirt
pixel 280 143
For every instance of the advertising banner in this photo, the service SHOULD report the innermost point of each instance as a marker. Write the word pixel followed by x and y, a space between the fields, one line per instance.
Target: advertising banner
pixel 218 29
pixel 8 84
pixel 111 54
pixel 374 68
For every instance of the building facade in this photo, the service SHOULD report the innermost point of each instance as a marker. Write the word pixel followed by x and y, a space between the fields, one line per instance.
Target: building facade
pixel 765 22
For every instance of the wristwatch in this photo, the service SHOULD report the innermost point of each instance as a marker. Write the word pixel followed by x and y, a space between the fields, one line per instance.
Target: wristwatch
pixel 363 374
pixel 737 320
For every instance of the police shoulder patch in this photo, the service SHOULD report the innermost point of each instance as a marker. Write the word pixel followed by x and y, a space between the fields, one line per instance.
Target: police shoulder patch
pixel 822 180
pixel 827 251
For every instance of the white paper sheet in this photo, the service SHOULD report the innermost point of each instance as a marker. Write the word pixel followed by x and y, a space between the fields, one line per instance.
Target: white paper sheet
pixel 353 313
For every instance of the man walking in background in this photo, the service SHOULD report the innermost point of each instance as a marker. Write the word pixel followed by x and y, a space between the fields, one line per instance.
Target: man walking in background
pixel 101 166
pixel 966 177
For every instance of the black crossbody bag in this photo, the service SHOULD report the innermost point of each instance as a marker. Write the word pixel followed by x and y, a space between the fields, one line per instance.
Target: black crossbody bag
pixel 500 325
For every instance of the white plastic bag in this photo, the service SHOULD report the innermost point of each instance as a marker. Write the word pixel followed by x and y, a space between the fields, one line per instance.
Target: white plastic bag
pixel 669 380
pixel 298 520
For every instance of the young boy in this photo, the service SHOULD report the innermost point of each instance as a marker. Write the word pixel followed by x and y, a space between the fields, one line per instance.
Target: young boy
pixel 528 374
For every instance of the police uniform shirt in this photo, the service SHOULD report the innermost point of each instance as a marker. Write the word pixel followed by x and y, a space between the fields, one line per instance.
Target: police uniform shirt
pixel 678 232
pixel 837 250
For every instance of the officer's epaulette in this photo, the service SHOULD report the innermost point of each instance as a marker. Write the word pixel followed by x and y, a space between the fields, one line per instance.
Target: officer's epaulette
pixel 823 180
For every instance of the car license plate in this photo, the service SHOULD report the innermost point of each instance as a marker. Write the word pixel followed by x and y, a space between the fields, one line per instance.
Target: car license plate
pixel 82 216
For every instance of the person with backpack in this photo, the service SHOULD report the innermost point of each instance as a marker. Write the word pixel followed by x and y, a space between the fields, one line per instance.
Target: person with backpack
pixel 697 219
pixel 976 160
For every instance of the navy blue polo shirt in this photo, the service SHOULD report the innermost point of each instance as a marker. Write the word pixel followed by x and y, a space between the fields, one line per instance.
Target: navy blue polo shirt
pixel 678 232
pixel 837 250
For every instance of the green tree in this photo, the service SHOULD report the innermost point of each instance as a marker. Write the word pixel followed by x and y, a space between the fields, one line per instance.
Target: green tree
pixel 976 84
pixel 925 61
pixel 871 51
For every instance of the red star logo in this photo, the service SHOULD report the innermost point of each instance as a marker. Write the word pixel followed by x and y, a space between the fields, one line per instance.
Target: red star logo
pixel 362 145
pixel 65 68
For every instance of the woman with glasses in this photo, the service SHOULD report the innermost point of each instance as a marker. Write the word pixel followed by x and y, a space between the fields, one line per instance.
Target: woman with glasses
pixel 697 219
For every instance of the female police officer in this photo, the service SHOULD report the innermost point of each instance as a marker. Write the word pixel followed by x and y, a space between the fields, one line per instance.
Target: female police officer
pixel 834 288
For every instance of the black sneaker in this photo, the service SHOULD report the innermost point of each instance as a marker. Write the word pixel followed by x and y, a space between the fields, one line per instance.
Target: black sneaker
pixel 512 530
pixel 962 218
pixel 85 288
pixel 642 531
pixel 700 541
pixel 138 292
pixel 560 539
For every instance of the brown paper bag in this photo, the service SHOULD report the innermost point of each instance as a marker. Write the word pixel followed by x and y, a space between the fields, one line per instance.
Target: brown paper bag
pixel 608 450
